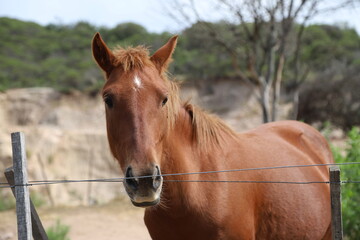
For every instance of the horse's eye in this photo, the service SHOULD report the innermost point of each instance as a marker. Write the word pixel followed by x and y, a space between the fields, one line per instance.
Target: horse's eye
pixel 108 101
pixel 164 101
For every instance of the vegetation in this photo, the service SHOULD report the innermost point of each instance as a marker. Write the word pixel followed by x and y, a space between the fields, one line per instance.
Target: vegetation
pixel 7 202
pixel 58 232
pixel 37 199
pixel 333 96
pixel 59 56
pixel 350 191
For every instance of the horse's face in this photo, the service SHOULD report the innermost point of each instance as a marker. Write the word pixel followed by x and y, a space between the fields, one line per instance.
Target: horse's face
pixel 135 101
pixel 136 125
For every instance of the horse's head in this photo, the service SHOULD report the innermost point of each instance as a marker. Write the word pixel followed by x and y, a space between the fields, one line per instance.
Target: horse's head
pixel 136 94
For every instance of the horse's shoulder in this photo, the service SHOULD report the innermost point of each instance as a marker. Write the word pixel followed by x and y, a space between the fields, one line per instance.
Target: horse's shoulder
pixel 280 128
pixel 292 133
pixel 295 130
pixel 286 125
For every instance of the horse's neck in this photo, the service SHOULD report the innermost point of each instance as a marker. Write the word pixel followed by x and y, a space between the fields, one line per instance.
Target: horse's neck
pixel 181 152
pixel 184 155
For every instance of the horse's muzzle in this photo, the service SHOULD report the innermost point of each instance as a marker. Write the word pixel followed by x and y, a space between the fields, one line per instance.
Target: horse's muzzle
pixel 144 190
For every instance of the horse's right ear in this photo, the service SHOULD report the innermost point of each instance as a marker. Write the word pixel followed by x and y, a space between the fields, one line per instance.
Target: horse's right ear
pixel 162 57
pixel 102 54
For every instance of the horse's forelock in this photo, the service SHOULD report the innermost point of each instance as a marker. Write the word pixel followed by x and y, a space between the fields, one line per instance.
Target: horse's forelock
pixel 131 58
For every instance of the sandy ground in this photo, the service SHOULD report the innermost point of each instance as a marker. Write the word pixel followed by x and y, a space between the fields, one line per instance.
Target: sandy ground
pixel 116 220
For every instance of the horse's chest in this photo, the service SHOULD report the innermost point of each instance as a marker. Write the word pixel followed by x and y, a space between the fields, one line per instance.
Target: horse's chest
pixel 189 227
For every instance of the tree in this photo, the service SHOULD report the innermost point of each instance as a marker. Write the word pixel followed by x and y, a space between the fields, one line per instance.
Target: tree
pixel 264 31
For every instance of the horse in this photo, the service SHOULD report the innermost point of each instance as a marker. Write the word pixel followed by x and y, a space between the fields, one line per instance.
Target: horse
pixel 152 132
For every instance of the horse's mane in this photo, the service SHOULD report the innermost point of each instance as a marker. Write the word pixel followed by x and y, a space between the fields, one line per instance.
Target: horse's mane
pixel 207 128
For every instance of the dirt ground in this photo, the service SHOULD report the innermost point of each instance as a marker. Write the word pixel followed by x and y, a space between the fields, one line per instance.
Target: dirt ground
pixel 116 220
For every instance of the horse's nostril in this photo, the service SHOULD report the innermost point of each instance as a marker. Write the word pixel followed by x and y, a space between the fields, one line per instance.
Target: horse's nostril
pixel 157 178
pixel 158 173
pixel 130 180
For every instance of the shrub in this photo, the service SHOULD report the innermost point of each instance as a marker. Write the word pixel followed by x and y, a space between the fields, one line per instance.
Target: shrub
pixel 7 202
pixel 350 191
pixel 58 232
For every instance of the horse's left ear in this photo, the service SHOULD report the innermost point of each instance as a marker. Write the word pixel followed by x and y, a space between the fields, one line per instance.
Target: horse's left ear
pixel 102 54
pixel 162 57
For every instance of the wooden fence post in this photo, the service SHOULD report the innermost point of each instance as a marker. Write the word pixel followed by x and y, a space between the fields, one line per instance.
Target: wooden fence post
pixel 38 230
pixel 21 188
pixel 335 194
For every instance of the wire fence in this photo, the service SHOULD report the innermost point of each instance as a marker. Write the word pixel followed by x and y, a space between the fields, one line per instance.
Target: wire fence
pixel 116 180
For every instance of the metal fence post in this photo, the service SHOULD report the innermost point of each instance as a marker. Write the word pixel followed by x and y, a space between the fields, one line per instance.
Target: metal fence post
pixel 335 193
pixel 21 188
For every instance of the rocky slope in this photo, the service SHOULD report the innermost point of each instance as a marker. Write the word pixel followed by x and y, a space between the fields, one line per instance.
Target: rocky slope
pixel 66 138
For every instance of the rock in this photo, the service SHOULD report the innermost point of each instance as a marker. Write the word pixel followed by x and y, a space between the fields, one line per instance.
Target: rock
pixel 66 136
pixel 27 106
pixel 65 139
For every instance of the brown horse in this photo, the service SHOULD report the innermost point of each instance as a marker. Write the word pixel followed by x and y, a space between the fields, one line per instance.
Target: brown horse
pixel 151 132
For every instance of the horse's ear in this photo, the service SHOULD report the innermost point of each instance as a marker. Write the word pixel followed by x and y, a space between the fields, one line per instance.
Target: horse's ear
pixel 162 57
pixel 102 54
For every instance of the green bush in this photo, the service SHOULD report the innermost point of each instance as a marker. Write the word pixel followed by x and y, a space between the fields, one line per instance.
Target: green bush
pixel 58 232
pixel 59 56
pixel 7 203
pixel 350 191
pixel 37 199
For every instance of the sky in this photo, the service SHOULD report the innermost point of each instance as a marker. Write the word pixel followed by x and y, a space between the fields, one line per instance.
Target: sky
pixel 149 13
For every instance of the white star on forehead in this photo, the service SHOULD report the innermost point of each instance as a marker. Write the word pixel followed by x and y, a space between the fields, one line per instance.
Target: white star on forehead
pixel 137 81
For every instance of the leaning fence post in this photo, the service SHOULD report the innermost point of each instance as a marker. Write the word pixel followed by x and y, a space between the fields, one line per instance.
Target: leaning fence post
pixel 21 189
pixel 38 230
pixel 335 193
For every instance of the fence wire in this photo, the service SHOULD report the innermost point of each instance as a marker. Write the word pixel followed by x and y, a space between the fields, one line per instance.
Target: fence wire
pixel 117 180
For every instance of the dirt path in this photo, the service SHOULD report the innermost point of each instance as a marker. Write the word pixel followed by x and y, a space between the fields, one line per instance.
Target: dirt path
pixel 116 220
